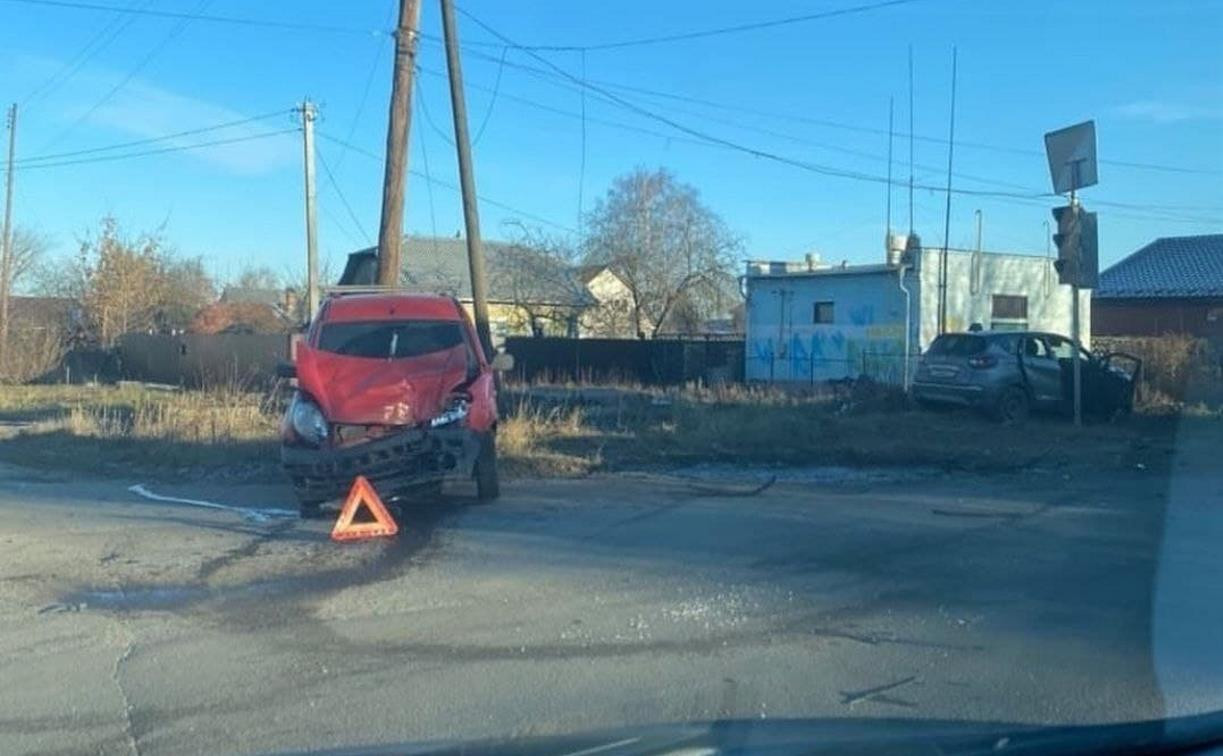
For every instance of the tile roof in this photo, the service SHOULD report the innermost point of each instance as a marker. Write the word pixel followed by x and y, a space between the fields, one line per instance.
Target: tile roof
pixel 1172 267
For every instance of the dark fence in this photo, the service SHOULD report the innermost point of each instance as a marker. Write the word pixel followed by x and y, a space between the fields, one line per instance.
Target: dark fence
pixel 199 360
pixel 650 362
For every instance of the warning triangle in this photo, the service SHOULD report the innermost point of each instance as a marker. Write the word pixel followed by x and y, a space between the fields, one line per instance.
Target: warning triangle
pixel 363 493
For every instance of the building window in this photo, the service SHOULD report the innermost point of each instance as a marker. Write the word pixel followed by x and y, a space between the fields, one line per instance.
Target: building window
pixel 1009 313
pixel 823 313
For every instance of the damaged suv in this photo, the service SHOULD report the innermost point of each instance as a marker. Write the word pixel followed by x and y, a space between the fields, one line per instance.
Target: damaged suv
pixel 1009 373
pixel 394 387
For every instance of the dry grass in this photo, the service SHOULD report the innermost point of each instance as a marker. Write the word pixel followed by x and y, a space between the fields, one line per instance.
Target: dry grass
pixel 1175 369
pixel 134 430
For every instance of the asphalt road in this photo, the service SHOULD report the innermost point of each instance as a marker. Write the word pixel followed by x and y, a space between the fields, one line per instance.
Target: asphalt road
pixel 129 624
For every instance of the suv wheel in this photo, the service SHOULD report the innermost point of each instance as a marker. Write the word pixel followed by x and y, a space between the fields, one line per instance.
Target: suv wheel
pixel 1012 407
pixel 488 484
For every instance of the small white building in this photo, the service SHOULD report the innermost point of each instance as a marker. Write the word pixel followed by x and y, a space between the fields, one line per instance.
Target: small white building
pixel 810 322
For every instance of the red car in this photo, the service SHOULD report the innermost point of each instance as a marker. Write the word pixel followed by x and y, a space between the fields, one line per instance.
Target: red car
pixel 394 387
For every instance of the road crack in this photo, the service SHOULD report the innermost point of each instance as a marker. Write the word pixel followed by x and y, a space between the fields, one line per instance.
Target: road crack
pixel 116 675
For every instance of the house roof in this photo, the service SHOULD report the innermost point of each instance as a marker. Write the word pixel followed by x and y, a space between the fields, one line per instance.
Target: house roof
pixel 41 311
pixel 251 295
pixel 519 274
pixel 1171 267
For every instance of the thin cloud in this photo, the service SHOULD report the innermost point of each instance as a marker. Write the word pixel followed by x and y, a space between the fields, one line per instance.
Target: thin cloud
pixel 1164 111
pixel 144 110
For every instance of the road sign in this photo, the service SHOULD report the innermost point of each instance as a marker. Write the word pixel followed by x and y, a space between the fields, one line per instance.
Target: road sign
pixel 1072 157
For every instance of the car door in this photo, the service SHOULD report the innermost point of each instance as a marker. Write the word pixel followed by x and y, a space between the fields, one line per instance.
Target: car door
pixel 1041 369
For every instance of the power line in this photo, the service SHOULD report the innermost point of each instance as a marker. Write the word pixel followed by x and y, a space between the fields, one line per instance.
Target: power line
pixel 424 154
pixel 179 148
pixel 169 37
pixel 455 187
pixel 369 80
pixel 343 200
pixel 492 100
pixel 552 77
pixel 196 16
pixel 748 149
pixel 720 31
pixel 96 44
pixel 153 140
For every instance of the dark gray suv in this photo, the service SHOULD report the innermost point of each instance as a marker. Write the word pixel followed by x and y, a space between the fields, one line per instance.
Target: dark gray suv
pixel 1007 374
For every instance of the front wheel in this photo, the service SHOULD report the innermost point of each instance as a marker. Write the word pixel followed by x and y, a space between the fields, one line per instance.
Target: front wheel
pixel 1012 407
pixel 488 484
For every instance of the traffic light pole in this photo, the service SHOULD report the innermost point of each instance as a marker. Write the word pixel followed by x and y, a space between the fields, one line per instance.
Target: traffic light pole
pixel 1075 337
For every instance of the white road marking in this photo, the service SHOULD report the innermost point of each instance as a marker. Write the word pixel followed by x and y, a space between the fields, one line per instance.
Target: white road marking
pixel 255 515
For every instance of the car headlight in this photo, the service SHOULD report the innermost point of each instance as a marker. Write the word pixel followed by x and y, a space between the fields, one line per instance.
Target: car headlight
pixel 307 420
pixel 456 410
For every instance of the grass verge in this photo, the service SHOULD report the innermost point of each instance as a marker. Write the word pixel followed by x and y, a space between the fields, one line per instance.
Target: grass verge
pixel 233 434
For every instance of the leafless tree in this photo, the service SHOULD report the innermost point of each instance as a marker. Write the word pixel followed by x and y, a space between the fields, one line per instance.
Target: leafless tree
pixel 664 243
pixel 29 249
pixel 537 274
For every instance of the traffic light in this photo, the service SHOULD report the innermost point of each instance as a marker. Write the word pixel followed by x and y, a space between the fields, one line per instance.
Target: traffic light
pixel 1076 241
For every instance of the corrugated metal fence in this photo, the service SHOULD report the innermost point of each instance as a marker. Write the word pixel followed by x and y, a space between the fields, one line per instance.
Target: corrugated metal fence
pixel 651 362
pixel 202 359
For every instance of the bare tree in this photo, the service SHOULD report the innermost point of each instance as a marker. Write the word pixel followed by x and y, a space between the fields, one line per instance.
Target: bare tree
pixel 257 277
pixel 29 249
pixel 667 247
pixel 537 273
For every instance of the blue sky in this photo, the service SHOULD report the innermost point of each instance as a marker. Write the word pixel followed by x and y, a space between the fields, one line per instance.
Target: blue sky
pixel 1150 74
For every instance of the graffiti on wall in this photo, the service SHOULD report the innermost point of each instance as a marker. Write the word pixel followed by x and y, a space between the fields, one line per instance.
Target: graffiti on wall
pixel 829 352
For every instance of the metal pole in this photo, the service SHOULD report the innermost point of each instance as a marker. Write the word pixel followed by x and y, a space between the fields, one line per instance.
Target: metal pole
pixel 467 181
pixel 6 263
pixel 390 228
pixel 1074 321
pixel 887 211
pixel 308 114
pixel 942 307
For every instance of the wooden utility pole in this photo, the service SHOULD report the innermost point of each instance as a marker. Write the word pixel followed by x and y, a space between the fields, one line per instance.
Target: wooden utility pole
pixel 390 230
pixel 6 244
pixel 308 114
pixel 467 182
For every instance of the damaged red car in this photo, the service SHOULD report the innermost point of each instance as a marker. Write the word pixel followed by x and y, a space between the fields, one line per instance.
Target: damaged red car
pixel 395 387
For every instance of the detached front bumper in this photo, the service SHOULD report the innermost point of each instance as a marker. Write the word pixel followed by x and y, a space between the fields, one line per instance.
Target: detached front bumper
pixel 394 463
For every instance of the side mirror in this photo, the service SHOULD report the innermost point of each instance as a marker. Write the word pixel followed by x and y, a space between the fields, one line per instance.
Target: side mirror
pixel 503 362
pixel 286 370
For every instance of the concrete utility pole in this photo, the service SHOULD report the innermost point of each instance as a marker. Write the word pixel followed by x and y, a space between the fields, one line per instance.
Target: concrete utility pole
pixel 390 230
pixel 1075 336
pixel 471 213
pixel 6 259
pixel 308 114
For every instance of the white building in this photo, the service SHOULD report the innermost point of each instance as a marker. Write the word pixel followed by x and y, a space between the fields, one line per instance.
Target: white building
pixel 810 322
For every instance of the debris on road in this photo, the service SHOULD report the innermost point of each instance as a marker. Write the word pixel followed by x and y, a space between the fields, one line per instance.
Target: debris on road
pixel 254 515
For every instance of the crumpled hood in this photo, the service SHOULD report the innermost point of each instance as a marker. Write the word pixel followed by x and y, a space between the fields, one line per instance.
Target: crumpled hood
pixel 367 391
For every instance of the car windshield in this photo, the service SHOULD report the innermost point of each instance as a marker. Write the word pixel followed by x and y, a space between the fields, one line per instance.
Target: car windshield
pixel 390 339
pixel 803 375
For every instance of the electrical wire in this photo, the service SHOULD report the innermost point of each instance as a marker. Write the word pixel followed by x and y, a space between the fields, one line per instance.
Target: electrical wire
pixel 96 44
pixel 825 170
pixel 455 187
pixel 369 80
pixel 167 39
pixel 340 193
pixel 720 31
pixel 151 140
pixel 551 76
pixel 178 148
pixel 492 100
pixel 424 155
pixel 196 16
